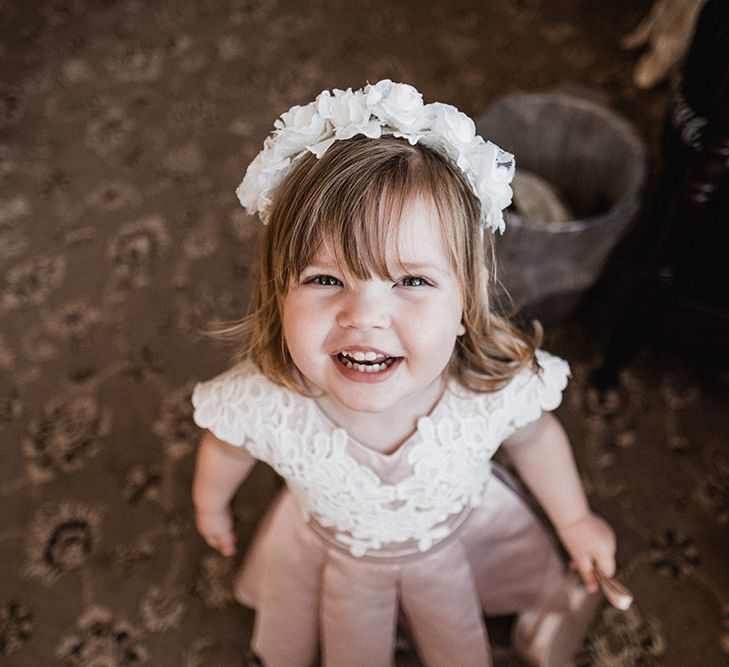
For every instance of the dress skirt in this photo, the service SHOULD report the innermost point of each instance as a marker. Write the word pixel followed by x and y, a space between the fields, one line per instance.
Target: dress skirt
pixel 313 598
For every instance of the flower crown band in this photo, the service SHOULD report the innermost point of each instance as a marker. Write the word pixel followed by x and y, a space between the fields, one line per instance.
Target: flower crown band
pixel 384 108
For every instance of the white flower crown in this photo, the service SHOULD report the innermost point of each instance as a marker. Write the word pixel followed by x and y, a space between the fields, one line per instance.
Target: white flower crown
pixel 385 108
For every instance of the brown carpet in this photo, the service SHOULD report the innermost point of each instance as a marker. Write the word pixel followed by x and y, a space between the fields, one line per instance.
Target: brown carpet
pixel 124 128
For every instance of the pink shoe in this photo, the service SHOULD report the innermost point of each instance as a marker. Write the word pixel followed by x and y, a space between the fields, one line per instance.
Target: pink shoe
pixel 549 636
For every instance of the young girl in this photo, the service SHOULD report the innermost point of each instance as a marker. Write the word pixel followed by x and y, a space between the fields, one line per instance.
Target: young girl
pixel 378 382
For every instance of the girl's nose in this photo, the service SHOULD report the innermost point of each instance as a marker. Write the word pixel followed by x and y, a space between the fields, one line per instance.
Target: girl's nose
pixel 363 310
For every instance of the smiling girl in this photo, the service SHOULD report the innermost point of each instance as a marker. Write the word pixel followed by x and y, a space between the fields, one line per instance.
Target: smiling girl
pixel 378 382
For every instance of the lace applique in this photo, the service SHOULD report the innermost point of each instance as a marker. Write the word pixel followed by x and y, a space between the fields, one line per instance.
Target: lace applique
pixel 449 454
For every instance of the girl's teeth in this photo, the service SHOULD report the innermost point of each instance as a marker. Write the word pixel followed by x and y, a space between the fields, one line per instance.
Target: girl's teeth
pixel 374 368
pixel 362 356
pixel 366 368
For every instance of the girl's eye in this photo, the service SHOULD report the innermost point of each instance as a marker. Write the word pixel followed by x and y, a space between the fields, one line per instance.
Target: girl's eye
pixel 324 281
pixel 413 281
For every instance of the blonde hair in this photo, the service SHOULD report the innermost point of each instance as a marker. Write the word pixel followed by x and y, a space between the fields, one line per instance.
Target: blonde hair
pixel 352 199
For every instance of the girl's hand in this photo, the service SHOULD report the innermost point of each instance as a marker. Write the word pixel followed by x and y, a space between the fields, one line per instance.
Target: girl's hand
pixel 590 540
pixel 216 527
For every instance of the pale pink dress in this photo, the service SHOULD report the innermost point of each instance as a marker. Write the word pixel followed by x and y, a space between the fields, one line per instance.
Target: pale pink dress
pixel 431 531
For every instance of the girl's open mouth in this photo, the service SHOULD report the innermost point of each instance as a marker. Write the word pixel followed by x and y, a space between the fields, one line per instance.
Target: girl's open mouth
pixel 366 366
pixel 368 362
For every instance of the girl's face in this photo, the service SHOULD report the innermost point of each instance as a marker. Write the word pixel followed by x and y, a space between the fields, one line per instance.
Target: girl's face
pixel 378 345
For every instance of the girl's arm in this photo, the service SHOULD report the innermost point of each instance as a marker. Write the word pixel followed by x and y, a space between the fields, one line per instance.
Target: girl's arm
pixel 543 458
pixel 220 469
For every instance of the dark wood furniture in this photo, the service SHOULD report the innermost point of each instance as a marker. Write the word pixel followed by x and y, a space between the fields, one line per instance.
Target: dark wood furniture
pixel 680 294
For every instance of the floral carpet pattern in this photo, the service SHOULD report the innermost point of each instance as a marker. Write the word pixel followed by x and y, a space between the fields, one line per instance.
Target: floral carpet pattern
pixel 124 128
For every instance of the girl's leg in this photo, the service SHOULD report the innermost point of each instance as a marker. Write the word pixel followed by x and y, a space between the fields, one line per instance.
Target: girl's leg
pixel 358 612
pixel 439 599
pixel 515 557
pixel 285 632
pixel 281 579
pixel 549 634
pixel 526 570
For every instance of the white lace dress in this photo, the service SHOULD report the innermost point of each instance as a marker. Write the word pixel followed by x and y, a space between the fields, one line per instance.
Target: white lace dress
pixel 357 536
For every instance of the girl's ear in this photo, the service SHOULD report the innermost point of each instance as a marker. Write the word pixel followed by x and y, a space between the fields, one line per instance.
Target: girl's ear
pixel 461 329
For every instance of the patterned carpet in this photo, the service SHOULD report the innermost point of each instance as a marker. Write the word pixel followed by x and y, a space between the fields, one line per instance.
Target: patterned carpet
pixel 124 128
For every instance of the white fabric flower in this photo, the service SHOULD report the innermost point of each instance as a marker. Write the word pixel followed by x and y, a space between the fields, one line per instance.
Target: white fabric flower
pixel 348 114
pixel 383 108
pixel 454 126
pixel 493 170
pixel 297 128
pixel 397 104
pixel 345 110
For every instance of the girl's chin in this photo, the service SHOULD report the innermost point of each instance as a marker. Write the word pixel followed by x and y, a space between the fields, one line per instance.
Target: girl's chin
pixel 364 405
